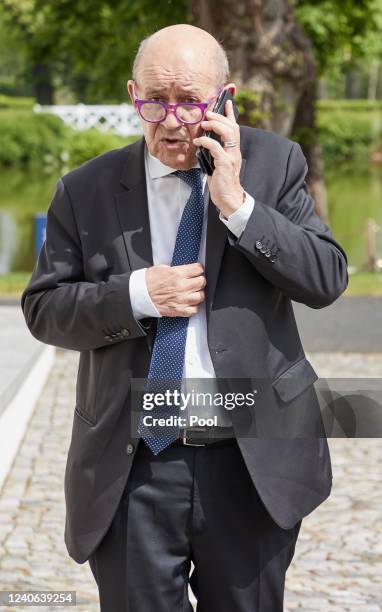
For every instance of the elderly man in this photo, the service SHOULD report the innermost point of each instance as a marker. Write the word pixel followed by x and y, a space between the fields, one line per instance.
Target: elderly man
pixel 152 269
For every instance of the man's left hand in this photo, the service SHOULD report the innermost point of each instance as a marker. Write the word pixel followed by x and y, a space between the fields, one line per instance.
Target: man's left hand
pixel 224 184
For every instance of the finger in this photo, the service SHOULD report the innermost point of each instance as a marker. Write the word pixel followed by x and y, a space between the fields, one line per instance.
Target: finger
pixel 217 151
pixel 191 270
pixel 210 144
pixel 183 311
pixel 220 129
pixel 179 311
pixel 229 111
pixel 220 118
pixel 190 310
pixel 196 297
pixel 202 281
pixel 196 283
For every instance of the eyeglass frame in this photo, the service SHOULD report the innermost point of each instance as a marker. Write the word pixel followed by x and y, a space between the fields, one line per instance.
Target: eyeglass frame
pixel 138 103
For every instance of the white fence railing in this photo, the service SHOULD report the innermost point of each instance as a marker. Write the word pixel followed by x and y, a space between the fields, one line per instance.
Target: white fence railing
pixel 119 118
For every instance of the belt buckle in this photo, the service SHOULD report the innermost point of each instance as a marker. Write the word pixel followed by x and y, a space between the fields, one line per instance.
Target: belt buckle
pixel 184 437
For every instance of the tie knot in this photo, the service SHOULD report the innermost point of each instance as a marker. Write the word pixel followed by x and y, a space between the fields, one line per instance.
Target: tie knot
pixel 192 177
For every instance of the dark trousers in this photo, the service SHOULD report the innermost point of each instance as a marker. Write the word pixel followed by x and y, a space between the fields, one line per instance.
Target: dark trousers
pixel 194 504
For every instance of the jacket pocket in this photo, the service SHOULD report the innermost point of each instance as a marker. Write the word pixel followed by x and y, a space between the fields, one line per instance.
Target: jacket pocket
pixel 84 416
pixel 87 387
pixel 295 380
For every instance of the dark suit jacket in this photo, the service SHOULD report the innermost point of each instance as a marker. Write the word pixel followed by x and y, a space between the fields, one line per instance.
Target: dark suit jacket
pixel 78 298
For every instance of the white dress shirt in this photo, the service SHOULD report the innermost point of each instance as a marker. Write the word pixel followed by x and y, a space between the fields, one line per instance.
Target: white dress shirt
pixel 167 197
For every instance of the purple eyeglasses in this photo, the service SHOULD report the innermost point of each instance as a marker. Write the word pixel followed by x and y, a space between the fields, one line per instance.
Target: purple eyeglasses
pixel 154 111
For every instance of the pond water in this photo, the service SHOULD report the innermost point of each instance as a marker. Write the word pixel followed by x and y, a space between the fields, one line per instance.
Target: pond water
pixel 354 195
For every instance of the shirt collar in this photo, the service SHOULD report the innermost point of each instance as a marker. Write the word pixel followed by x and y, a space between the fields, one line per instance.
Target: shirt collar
pixel 156 168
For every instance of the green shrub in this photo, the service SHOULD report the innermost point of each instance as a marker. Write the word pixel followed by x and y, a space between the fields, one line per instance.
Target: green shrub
pixel 349 105
pixel 27 138
pixel 16 102
pixel 347 129
pixel 346 135
pixel 84 145
pixel 44 140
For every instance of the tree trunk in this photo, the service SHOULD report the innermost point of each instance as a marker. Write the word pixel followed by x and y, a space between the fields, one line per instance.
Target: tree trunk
pixel 351 84
pixel 305 129
pixel 373 80
pixel 41 76
pixel 42 82
pixel 272 57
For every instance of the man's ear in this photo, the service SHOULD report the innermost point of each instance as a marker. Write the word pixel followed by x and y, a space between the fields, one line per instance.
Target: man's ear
pixel 232 88
pixel 130 90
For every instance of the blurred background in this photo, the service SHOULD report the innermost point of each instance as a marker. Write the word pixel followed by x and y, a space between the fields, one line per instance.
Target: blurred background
pixel 306 69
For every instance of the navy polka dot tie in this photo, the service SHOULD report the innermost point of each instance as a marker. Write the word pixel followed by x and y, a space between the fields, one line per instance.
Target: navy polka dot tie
pixel 167 359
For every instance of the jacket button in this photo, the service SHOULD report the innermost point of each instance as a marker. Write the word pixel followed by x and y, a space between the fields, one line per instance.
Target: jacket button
pixel 258 244
pixel 273 258
pixel 125 332
pixel 130 449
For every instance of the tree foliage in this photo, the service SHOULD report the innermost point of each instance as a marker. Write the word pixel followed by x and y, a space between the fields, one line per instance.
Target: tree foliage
pixel 341 30
pixel 89 45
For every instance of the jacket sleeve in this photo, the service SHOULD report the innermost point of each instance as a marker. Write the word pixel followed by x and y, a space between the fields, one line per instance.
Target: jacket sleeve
pixel 290 246
pixel 59 306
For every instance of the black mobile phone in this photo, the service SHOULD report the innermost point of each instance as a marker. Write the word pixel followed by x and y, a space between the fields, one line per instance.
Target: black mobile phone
pixel 204 156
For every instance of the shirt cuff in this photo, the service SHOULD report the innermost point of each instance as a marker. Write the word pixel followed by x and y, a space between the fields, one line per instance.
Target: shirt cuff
pixel 141 302
pixel 237 220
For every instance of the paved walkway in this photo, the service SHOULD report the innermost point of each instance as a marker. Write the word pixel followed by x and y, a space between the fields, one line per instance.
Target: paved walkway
pixel 337 566
pixel 18 351
pixel 350 324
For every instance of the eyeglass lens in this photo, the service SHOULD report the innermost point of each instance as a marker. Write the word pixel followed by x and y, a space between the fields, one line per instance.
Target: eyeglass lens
pixel 157 112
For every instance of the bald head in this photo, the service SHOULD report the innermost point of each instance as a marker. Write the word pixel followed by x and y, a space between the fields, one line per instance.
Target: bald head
pixel 178 65
pixel 193 47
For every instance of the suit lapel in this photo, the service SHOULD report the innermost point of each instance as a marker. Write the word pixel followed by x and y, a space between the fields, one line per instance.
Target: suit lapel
pixel 215 243
pixel 133 214
pixel 132 208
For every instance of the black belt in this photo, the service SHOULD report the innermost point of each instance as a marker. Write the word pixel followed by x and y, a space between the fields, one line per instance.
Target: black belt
pixel 206 436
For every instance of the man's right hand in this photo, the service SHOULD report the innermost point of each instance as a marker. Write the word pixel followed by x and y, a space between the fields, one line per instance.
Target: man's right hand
pixel 176 290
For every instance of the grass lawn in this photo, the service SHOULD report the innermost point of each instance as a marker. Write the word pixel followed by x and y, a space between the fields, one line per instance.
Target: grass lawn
pixel 362 283
pixel 365 283
pixel 12 285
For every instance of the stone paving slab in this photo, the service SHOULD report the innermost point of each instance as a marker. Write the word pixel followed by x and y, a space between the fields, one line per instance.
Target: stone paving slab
pixel 337 565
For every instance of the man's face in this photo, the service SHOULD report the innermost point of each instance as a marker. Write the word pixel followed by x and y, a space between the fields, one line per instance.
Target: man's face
pixel 171 141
